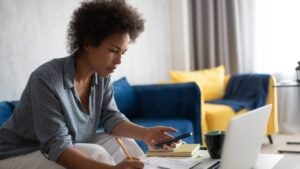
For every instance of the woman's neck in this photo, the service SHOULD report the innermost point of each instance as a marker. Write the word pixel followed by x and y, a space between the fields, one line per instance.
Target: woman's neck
pixel 83 70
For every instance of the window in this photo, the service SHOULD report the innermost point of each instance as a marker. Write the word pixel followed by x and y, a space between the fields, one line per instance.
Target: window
pixel 277 37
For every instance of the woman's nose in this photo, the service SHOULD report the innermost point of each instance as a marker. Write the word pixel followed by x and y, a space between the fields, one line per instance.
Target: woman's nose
pixel 117 59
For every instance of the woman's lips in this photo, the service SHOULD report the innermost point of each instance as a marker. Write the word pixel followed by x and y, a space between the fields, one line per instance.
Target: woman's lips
pixel 111 69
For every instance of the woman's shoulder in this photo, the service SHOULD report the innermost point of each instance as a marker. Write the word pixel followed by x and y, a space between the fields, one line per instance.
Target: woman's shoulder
pixel 51 71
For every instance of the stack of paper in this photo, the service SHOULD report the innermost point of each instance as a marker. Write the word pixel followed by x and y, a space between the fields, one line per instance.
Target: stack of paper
pixel 184 150
pixel 167 163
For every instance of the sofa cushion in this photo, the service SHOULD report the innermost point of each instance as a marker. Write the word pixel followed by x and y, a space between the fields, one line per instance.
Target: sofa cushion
pixel 211 81
pixel 125 97
pixel 182 125
pixel 236 105
pixel 217 115
pixel 5 112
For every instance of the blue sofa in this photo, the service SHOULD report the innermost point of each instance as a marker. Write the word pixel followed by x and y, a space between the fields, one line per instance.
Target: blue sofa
pixel 6 109
pixel 175 105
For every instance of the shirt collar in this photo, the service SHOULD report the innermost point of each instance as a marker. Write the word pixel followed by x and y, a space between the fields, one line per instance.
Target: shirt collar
pixel 69 73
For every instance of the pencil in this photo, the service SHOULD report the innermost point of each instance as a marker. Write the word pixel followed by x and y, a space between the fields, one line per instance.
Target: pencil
pixel 119 141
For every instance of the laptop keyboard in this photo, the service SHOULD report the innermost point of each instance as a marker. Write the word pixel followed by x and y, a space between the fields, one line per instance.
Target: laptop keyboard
pixel 208 164
pixel 216 165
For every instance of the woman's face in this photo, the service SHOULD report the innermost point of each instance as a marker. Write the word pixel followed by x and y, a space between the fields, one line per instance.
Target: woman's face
pixel 105 58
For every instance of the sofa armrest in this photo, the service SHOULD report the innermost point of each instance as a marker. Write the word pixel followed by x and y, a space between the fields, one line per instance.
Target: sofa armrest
pixel 6 110
pixel 272 127
pixel 167 101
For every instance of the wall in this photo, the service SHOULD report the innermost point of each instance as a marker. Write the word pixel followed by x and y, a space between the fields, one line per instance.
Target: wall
pixel 180 39
pixel 33 32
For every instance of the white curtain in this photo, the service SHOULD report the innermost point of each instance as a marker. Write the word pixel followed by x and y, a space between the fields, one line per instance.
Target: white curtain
pixel 277 50
pixel 289 109
pixel 277 37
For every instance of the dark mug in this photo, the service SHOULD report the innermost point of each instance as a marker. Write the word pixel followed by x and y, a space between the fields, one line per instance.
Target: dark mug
pixel 214 142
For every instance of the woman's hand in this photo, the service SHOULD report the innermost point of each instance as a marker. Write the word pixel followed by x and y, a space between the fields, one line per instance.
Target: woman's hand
pixel 157 134
pixel 134 163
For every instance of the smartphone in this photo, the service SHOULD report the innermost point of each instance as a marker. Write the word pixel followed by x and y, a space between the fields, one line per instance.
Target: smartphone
pixel 175 139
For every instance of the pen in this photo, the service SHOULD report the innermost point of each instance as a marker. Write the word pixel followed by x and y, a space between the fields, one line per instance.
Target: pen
pixel 119 141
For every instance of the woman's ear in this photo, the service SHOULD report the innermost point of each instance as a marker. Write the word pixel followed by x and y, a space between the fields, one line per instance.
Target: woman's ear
pixel 86 47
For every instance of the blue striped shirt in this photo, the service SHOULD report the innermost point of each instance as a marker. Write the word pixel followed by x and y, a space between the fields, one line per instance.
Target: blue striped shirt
pixel 50 116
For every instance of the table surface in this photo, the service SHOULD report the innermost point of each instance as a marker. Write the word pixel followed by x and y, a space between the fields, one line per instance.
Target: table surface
pixel 291 161
pixel 287 84
pixel 288 161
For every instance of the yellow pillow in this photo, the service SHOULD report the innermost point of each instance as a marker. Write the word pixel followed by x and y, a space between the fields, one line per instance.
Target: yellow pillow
pixel 211 81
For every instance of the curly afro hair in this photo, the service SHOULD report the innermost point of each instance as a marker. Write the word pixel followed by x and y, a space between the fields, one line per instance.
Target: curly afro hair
pixel 95 20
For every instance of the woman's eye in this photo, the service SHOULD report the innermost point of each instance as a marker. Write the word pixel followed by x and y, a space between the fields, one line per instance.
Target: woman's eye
pixel 114 51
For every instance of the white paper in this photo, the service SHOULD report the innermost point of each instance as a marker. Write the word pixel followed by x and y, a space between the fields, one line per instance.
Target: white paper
pixel 163 162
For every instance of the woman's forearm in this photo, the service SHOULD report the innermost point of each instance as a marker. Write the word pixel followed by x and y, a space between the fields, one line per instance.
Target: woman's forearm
pixel 130 130
pixel 73 158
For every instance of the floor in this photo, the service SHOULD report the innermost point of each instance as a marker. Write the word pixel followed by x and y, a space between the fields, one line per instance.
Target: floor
pixel 279 143
pixel 290 160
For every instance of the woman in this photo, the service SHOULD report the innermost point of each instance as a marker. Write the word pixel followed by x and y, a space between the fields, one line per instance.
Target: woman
pixel 67 99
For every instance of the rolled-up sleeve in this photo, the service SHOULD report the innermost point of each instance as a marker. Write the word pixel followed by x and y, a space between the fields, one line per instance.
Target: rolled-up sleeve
pixel 110 115
pixel 49 121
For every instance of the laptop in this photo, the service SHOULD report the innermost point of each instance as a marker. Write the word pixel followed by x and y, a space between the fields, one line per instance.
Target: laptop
pixel 243 140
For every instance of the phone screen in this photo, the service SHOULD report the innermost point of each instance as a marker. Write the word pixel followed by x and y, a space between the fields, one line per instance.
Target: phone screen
pixel 175 139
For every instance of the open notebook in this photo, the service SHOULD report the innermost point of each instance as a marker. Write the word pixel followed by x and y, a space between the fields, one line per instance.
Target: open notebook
pixel 184 150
